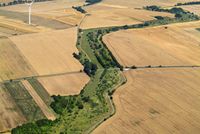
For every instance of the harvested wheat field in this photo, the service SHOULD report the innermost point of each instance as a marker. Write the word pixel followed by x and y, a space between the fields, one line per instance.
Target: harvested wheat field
pixel 45 109
pixel 141 3
pixel 52 14
pixel 176 44
pixel 12 27
pixel 45 6
pixel 13 64
pixel 10 114
pixel 69 15
pixel 6 32
pixel 104 16
pixel 50 52
pixel 192 8
pixel 167 103
pixel 5 1
pixel 68 84
pixel 35 20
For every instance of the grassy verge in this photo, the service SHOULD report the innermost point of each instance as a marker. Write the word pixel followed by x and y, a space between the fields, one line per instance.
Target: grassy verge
pixel 24 101
pixel 79 113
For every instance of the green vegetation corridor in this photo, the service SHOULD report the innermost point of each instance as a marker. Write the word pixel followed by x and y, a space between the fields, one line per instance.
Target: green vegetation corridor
pixel 82 113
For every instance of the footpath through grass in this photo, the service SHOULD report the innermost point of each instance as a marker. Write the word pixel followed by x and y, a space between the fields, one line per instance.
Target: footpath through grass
pixel 84 112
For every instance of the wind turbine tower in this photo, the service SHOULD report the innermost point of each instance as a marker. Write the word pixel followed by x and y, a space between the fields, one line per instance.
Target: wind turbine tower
pixel 29 11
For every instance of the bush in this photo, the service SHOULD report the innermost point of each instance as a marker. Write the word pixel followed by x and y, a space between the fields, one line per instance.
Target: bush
pixel 80 9
pixel 77 56
pixel 29 128
pixel 90 2
pixel 178 15
pixel 90 68
pixel 159 17
pixel 79 104
pixel 133 67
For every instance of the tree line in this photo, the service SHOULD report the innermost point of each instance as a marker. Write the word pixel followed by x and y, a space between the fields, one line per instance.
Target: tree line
pixel 188 3
pixel 15 2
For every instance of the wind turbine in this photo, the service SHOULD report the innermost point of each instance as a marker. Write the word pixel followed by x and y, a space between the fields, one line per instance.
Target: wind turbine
pixel 29 11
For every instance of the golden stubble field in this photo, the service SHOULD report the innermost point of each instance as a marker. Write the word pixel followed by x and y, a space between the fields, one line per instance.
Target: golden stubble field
pixel 179 44
pixel 141 3
pixel 46 53
pixel 69 84
pixel 123 12
pixel 102 15
pixel 12 63
pixel 45 6
pixel 60 11
pixel 11 27
pixel 69 16
pixel 50 52
pixel 38 50
pixel 156 101
pixel 10 115
pixel 5 1
pixel 192 8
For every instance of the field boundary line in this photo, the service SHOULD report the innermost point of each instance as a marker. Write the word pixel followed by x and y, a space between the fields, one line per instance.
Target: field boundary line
pixel 158 67
pixel 44 108
pixel 42 76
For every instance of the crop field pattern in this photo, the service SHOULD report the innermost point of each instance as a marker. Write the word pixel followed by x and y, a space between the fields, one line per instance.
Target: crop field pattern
pixel 24 101
pixel 104 16
pixel 35 19
pixel 168 102
pixel 12 65
pixel 180 45
pixel 100 66
pixel 10 114
pixel 69 84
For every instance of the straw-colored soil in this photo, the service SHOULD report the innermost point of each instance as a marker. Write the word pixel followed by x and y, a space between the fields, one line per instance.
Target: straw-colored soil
pixel 12 63
pixel 50 52
pixel 10 115
pixel 179 44
pixel 160 101
pixel 69 84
